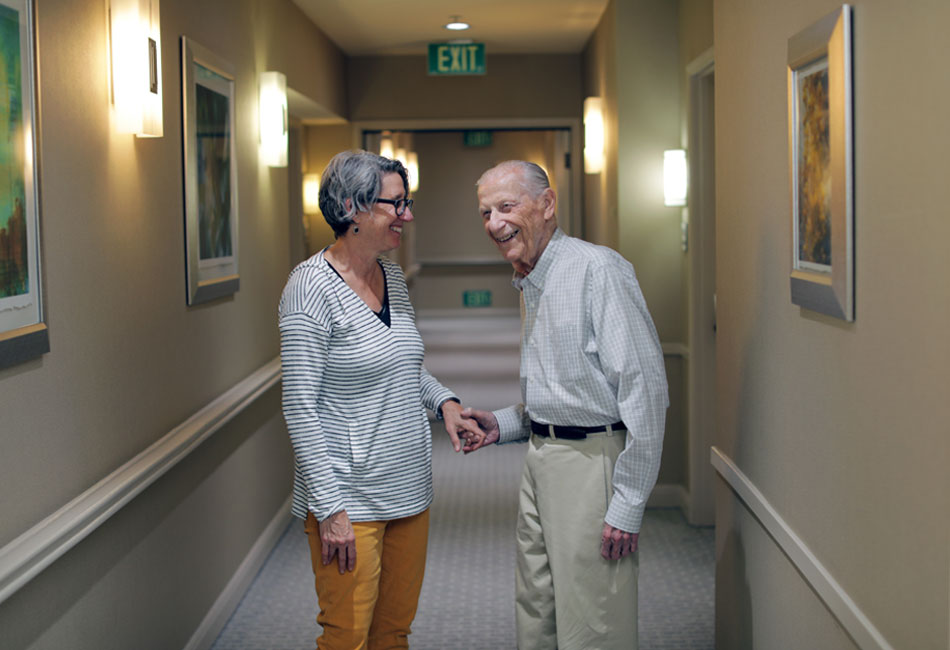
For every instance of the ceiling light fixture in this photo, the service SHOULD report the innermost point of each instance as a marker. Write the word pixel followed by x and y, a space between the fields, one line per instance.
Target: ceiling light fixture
pixel 456 24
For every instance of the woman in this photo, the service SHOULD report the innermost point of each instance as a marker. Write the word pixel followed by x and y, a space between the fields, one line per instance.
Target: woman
pixel 354 397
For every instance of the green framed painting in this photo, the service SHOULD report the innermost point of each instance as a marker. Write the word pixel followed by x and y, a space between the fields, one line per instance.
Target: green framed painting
pixel 23 331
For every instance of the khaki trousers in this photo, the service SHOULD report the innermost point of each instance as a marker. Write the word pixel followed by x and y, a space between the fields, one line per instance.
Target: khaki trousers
pixel 371 607
pixel 567 596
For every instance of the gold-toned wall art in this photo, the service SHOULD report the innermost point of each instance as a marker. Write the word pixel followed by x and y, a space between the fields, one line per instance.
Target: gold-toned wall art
pixel 821 165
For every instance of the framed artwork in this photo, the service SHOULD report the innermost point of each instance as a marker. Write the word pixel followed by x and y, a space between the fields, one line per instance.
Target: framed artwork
pixel 210 167
pixel 821 166
pixel 23 332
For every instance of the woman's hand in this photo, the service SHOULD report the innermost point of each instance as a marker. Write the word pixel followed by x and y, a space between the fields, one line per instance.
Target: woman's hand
pixel 461 430
pixel 488 423
pixel 337 538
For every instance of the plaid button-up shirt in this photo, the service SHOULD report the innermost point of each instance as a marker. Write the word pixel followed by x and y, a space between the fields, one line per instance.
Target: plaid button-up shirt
pixel 590 356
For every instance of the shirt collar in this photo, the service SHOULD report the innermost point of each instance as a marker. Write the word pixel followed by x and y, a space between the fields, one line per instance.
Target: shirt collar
pixel 540 271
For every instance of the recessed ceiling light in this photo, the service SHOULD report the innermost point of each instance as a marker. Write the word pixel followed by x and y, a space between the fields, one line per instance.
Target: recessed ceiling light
pixel 456 24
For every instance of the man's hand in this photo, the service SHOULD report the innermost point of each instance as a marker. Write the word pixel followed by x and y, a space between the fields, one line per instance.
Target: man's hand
pixel 461 430
pixel 616 543
pixel 337 537
pixel 489 425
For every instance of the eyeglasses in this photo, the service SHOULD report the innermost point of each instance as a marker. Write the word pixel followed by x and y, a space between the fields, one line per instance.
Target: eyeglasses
pixel 401 205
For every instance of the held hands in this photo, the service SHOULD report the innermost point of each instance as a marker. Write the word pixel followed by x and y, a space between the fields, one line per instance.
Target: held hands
pixel 489 425
pixel 461 430
pixel 616 543
pixel 337 538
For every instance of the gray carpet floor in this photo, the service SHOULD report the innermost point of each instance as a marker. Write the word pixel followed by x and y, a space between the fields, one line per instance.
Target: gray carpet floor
pixel 467 600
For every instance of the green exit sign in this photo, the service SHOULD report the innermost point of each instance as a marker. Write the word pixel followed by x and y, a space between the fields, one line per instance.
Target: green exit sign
pixel 478 138
pixel 476 298
pixel 456 58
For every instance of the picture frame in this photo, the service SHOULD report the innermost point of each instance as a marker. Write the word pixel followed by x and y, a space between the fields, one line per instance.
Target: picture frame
pixel 210 174
pixel 821 165
pixel 23 331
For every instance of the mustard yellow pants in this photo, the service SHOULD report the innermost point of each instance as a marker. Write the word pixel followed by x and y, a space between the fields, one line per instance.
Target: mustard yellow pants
pixel 371 607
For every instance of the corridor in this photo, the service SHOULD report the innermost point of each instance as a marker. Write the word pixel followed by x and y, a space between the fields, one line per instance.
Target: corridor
pixel 803 497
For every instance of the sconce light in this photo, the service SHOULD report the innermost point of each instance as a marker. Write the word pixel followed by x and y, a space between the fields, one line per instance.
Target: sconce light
pixel 593 135
pixel 402 157
pixel 386 147
pixel 674 177
pixel 136 43
pixel 273 117
pixel 311 193
pixel 413 168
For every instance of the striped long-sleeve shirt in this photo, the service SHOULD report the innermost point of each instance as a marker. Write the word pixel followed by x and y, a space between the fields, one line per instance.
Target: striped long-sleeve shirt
pixel 590 356
pixel 354 392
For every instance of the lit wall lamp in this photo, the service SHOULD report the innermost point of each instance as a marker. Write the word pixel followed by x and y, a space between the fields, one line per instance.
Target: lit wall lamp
pixel 593 135
pixel 674 177
pixel 273 117
pixel 311 193
pixel 402 156
pixel 136 42
pixel 413 168
pixel 386 147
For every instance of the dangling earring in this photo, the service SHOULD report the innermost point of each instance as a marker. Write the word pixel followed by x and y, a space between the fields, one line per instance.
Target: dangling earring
pixel 356 229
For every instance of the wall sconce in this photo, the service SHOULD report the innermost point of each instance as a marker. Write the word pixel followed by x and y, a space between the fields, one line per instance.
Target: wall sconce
pixel 593 135
pixel 413 168
pixel 402 156
pixel 273 117
pixel 386 147
pixel 136 43
pixel 674 177
pixel 311 193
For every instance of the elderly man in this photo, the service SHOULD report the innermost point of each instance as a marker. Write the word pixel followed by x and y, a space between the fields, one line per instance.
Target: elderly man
pixel 594 398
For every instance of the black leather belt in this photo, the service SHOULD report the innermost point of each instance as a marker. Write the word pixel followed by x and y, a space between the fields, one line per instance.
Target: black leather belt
pixel 572 433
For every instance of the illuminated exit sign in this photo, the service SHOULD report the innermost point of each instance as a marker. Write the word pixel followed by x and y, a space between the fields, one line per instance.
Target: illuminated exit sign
pixel 456 58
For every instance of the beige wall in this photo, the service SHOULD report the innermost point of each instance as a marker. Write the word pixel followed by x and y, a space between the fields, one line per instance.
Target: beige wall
pixel 842 427
pixel 398 87
pixel 447 226
pixel 600 80
pixel 632 61
pixel 129 360
pixel 648 110
pixel 321 143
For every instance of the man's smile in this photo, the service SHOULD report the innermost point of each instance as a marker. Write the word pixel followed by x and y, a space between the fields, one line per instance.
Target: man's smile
pixel 508 237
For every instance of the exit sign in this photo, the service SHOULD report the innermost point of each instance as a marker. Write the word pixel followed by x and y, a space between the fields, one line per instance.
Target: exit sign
pixel 456 58
pixel 476 298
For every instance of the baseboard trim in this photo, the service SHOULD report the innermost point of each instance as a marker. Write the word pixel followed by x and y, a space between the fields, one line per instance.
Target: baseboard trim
pixel 835 598
pixel 26 556
pixel 229 599
pixel 669 495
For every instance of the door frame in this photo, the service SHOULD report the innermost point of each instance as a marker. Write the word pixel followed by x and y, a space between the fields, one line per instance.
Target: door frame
pixel 572 124
pixel 701 388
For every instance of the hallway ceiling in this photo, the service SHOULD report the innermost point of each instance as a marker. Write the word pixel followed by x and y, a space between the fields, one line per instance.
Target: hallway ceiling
pixel 387 27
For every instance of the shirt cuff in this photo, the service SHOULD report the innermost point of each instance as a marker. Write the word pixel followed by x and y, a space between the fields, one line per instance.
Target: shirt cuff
pixel 510 425
pixel 626 518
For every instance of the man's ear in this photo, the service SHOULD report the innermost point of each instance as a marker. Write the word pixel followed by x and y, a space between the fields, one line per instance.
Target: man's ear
pixel 549 199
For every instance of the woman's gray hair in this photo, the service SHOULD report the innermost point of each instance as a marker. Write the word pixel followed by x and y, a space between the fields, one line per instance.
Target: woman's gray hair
pixel 535 178
pixel 351 183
